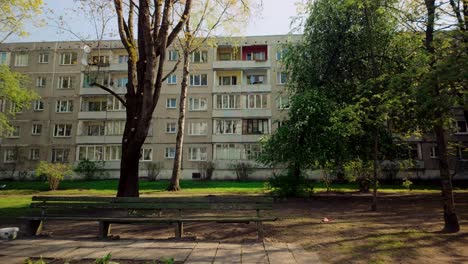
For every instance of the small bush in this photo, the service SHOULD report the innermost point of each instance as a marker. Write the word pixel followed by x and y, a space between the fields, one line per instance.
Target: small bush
pixel 55 172
pixel 287 185
pixel 90 170
pixel 390 170
pixel 359 171
pixel 243 170
pixel 154 170
pixel 206 169
pixel 407 184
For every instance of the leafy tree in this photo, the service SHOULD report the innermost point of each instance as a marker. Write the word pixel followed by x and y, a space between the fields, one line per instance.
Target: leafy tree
pixel 55 172
pixel 15 13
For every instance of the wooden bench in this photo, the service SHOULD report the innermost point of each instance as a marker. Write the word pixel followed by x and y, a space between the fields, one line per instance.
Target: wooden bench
pixel 124 210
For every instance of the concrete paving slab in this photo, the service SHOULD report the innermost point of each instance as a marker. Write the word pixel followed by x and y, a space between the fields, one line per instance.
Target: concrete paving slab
pixel 202 255
pixel 229 246
pixel 207 245
pixel 85 253
pixel 254 256
pixel 302 256
pixel 228 256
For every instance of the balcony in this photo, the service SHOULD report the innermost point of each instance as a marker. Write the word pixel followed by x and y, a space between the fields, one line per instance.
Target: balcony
pixel 98 139
pixel 246 88
pixel 236 138
pixel 99 91
pixel 241 64
pixel 220 113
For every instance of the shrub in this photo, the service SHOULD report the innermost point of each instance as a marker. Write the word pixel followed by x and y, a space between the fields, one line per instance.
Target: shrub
pixel 390 169
pixel 359 171
pixel 243 170
pixel 287 185
pixel 206 169
pixel 55 172
pixel 90 169
pixel 407 184
pixel 153 170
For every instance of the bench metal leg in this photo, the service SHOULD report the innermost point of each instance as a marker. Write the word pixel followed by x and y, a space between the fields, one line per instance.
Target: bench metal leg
pixel 104 229
pixel 34 227
pixel 260 235
pixel 179 230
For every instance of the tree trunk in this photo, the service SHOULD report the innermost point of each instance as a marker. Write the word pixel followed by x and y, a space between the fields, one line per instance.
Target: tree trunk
pixel 375 156
pixel 450 217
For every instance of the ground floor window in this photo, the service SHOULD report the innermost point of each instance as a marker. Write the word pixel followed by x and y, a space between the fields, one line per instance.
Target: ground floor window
pixel 198 154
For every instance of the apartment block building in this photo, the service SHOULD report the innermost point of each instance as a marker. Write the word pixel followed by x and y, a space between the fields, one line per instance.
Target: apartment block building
pixel 236 96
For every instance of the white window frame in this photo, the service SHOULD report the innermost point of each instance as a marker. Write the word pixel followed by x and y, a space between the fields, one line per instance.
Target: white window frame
pixel 68 80
pixel 197 154
pixel 227 127
pixel 38 105
pixel 100 127
pixel 145 153
pixel 34 154
pixel 10 153
pixel 458 130
pixel 64 106
pixel 171 103
pixel 231 81
pixel 43 58
pixel 199 56
pixel 251 151
pixel 115 127
pixel 91 152
pixel 122 82
pixel 173 55
pixel 256 101
pixel 198 104
pixel 123 59
pixel 433 152
pixel 171 127
pixel 4 58
pixel 112 152
pixel 65 154
pixel 255 79
pixel 228 101
pixel 170 152
pixel 201 77
pixel 41 81
pixel 198 128
pixel 100 103
pixel 282 104
pixel 228 151
pixel 172 79
pixel 36 129
pixel 62 130
pixel 114 104
pixel 256 56
pixel 280 78
pixel 21 59
pixel 15 133
pixel 66 58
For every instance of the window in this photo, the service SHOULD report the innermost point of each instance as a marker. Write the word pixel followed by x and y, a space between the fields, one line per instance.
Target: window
pixel 170 153
pixel 198 104
pixel 36 129
pixel 3 58
pixel 41 81
pixel 227 101
pixel 462 152
pixel 11 156
pixel 257 56
pixel 38 105
pixel 228 127
pixel 60 155
pixel 146 154
pixel 95 129
pixel 256 79
pixel 173 55
pixel 280 54
pixel 414 151
pixel 283 102
pixel 225 56
pixel 123 59
pixel 198 128
pixel 64 106
pixel 198 154
pixel 91 152
pixel 34 154
pixel 256 101
pixel 171 127
pixel 227 80
pixel 15 133
pixel 172 79
pixel 122 82
pixel 228 152
pixel 21 59
pixel 68 58
pixel 171 103
pixel 15 108
pixel 115 128
pixel 252 151
pixel 282 78
pixel 97 105
pixel 100 60
pixel 462 127
pixel 65 82
pixel 114 104
pixel 62 130
pixel 434 152
pixel 113 153
pixel 255 127
pixel 200 56
pixel 44 58
pixel 198 79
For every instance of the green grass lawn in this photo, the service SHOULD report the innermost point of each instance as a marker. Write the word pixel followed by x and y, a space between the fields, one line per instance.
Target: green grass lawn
pixel 15 198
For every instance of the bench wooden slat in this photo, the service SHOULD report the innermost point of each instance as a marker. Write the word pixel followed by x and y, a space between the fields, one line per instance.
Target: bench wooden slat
pixel 154 219
pixel 204 199
pixel 135 206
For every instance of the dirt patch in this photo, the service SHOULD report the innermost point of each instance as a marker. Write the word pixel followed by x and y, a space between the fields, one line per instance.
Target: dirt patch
pixel 404 230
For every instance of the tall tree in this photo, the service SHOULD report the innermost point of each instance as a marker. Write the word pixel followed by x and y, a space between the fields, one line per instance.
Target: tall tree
pixel 15 13
pixel 207 17
pixel 157 25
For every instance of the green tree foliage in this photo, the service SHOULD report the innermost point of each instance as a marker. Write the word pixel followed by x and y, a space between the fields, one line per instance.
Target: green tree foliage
pixel 55 172
pixel 15 13
pixel 13 90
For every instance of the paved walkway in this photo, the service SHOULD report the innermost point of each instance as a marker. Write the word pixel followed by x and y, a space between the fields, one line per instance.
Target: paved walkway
pixel 17 251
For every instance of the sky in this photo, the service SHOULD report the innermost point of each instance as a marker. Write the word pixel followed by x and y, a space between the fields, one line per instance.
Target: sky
pixel 274 19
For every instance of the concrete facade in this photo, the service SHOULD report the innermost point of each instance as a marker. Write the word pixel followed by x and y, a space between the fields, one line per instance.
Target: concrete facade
pixel 236 96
